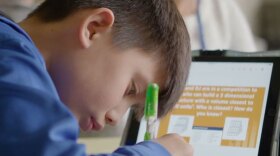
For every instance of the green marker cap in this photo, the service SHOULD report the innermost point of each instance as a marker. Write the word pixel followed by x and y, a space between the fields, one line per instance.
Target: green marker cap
pixel 151 103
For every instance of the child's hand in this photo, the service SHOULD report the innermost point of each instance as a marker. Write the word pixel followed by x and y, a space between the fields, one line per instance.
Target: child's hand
pixel 176 145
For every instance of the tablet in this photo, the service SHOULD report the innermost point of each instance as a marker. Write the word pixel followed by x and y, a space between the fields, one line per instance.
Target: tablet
pixel 229 106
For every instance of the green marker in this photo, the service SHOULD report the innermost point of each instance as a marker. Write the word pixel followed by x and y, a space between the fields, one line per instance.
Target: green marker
pixel 151 110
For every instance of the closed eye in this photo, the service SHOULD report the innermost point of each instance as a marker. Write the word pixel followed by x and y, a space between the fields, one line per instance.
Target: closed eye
pixel 132 90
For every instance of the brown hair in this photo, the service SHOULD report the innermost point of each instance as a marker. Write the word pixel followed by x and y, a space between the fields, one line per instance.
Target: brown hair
pixel 155 26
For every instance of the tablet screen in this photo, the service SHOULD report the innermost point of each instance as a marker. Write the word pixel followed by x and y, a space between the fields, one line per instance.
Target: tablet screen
pixel 221 111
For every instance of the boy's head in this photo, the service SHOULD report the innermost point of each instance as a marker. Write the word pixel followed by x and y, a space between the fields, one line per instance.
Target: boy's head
pixel 101 54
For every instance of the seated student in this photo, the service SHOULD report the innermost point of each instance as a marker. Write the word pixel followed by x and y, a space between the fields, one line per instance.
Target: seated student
pixel 216 24
pixel 74 64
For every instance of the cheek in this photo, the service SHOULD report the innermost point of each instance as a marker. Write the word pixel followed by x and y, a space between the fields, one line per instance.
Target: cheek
pixel 103 100
pixel 99 94
pixel 108 94
pixel 73 86
pixel 108 87
pixel 91 90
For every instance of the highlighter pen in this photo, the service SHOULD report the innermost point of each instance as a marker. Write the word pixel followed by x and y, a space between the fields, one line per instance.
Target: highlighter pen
pixel 151 110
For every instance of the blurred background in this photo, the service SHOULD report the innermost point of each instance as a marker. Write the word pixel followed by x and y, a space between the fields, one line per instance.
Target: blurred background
pixel 264 20
pixel 261 18
pixel 261 15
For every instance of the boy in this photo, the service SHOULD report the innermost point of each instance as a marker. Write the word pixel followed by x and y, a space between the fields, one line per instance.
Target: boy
pixel 94 61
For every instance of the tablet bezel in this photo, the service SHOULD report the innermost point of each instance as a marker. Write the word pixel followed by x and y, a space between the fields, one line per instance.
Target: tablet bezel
pixel 271 117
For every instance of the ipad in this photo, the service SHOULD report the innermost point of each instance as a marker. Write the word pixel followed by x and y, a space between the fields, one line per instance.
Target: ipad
pixel 229 106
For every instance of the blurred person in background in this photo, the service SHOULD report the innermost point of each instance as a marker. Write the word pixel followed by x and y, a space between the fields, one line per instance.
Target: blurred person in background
pixel 216 24
pixel 17 9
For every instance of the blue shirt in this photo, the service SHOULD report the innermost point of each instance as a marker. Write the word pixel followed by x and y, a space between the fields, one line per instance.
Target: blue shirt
pixel 33 120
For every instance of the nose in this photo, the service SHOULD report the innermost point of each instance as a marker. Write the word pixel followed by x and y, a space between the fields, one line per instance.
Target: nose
pixel 111 118
pixel 114 116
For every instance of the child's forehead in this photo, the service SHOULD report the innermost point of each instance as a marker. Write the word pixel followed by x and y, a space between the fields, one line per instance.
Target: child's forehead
pixel 150 65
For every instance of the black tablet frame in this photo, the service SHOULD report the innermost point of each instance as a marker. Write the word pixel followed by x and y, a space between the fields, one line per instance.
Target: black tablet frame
pixel 271 117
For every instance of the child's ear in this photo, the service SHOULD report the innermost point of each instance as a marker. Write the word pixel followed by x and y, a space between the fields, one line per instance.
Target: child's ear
pixel 98 21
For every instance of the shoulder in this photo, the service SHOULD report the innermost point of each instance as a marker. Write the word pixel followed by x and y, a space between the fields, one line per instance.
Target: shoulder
pixel 20 61
pixel 14 38
pixel 36 121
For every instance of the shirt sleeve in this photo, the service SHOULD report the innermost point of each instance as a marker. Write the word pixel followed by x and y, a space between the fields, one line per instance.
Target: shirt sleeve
pixel 146 148
pixel 33 123
pixel 33 120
